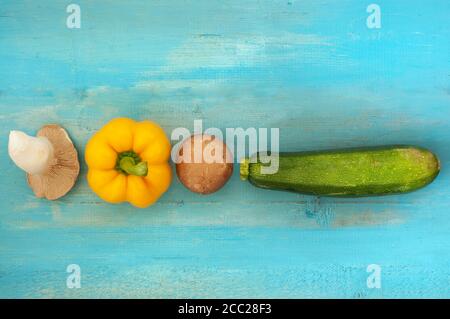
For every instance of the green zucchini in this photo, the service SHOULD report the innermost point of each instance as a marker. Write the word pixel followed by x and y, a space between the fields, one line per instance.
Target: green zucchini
pixel 349 172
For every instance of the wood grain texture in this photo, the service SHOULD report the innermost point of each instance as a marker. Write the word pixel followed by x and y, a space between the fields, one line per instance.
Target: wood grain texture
pixel 311 68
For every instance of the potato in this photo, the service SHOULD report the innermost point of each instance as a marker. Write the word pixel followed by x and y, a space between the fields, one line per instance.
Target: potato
pixel 204 164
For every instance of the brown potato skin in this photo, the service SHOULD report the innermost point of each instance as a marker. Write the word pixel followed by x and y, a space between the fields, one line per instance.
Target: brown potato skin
pixel 203 177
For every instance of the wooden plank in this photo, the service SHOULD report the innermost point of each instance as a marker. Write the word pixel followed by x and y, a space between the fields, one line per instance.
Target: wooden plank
pixel 311 68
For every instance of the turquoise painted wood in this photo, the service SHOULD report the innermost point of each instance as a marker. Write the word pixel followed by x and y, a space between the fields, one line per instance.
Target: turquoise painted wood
pixel 312 68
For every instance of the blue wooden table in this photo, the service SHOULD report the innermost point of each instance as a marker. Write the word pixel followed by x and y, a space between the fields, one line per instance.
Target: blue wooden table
pixel 318 70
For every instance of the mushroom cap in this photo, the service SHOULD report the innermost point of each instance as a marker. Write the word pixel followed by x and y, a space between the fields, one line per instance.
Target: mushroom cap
pixel 206 176
pixel 62 173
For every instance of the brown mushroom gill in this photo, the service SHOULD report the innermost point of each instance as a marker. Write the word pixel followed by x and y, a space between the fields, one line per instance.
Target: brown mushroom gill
pixel 63 170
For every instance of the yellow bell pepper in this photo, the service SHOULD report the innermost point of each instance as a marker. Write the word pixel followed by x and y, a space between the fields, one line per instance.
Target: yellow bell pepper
pixel 128 161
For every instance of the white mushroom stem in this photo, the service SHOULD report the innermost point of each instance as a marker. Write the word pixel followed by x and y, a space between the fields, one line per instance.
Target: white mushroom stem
pixel 32 154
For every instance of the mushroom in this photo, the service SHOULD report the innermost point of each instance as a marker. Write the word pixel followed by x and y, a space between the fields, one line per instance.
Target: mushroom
pixel 204 164
pixel 50 160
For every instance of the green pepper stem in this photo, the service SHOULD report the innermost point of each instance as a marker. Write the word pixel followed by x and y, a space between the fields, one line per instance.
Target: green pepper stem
pixel 128 165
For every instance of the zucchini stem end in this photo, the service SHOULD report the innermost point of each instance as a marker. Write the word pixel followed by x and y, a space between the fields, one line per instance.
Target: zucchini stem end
pixel 244 168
